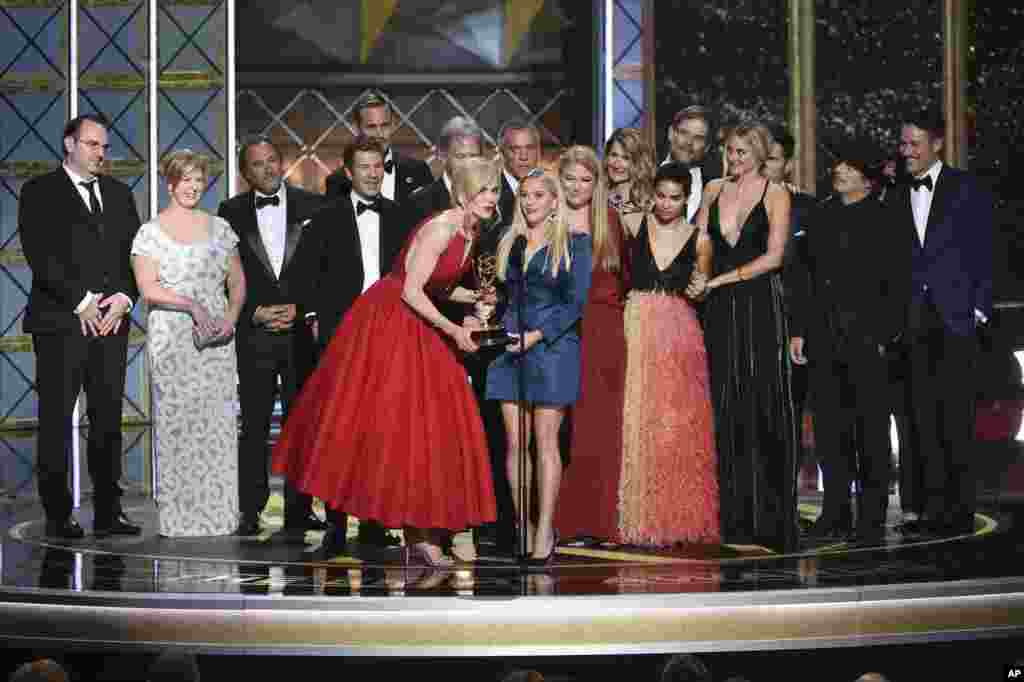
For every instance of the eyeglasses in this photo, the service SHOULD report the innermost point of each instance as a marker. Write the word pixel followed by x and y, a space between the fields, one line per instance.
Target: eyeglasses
pixel 534 173
pixel 93 144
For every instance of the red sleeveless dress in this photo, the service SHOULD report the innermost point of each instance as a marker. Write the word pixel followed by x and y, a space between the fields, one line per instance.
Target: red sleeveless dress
pixel 387 427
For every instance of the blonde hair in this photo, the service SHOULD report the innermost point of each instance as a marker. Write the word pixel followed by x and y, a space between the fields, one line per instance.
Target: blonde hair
pixel 757 136
pixel 641 163
pixel 179 163
pixel 556 228
pixel 471 176
pixel 605 244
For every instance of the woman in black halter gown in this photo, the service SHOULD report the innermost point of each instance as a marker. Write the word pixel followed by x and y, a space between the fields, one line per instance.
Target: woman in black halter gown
pixel 747 219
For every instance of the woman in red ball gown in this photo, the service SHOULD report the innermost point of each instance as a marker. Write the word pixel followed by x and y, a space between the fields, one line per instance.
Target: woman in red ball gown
pixel 588 501
pixel 387 427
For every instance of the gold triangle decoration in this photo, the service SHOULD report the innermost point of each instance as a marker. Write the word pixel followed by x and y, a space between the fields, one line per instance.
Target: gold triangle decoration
pixel 519 16
pixel 375 16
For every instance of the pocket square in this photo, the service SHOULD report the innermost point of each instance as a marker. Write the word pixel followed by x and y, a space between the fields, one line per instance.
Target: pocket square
pixel 305 222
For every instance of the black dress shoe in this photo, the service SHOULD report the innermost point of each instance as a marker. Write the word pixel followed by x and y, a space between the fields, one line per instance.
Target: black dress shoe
pixel 913 527
pixel 119 525
pixel 68 529
pixel 334 544
pixel 377 536
pixel 828 530
pixel 299 528
pixel 313 522
pixel 249 525
pixel 872 536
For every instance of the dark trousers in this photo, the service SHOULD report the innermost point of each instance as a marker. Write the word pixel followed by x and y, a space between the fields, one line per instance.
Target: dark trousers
pixel 503 529
pixel 263 358
pixel 942 391
pixel 65 365
pixel 911 464
pixel 851 393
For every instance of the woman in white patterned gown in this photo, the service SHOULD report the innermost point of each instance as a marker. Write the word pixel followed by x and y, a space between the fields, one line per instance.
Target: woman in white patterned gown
pixel 184 261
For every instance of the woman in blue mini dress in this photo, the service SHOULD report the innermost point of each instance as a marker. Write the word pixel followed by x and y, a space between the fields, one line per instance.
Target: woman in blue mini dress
pixel 546 270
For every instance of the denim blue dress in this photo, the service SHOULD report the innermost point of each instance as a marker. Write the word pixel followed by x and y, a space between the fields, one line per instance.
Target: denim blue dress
pixel 554 305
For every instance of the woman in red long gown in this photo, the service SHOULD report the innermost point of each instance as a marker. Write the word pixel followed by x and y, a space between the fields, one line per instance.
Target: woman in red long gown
pixel 588 499
pixel 387 427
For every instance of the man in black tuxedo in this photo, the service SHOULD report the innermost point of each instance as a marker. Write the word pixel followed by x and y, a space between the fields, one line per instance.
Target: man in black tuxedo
pixel 949 218
pixel 76 227
pixel 360 234
pixel 273 340
pixel 460 139
pixel 689 137
pixel 843 320
pixel 520 153
pixel 402 175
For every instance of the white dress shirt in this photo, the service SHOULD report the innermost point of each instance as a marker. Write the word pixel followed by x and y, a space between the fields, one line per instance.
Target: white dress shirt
pixel 83 192
pixel 696 191
pixel 273 224
pixel 369 239
pixel 387 185
pixel 921 201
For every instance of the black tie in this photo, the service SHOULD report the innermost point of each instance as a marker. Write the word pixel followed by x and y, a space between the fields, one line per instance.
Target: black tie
pixel 389 166
pixel 267 201
pixel 362 206
pixel 94 201
pixel 918 183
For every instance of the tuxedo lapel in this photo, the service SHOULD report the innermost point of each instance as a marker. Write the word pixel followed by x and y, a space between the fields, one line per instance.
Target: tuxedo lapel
pixel 293 232
pixel 391 238
pixel 252 235
pixel 907 210
pixel 940 205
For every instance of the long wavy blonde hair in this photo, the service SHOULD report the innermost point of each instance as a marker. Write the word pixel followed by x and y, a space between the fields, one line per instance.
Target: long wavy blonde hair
pixel 556 228
pixel 605 244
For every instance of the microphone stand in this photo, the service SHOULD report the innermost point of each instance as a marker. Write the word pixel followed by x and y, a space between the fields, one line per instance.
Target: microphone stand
pixel 524 414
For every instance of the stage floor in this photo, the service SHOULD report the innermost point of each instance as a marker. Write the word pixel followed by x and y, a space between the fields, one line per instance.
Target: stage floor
pixel 274 594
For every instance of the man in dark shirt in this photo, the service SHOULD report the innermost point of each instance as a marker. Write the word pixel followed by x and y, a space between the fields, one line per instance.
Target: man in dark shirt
pixel 845 311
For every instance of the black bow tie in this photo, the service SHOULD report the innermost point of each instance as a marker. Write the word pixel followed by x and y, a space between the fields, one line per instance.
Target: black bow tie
pixel 267 201
pixel 918 183
pixel 389 166
pixel 363 206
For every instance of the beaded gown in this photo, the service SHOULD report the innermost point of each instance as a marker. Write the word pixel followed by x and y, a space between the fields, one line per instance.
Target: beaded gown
pixel 668 490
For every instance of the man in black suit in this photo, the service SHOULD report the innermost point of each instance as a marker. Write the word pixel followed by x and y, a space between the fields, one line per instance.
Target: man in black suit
pixel 949 218
pixel 273 340
pixel 460 139
pixel 689 137
pixel 76 227
pixel 520 153
pixel 843 320
pixel 360 234
pixel 402 176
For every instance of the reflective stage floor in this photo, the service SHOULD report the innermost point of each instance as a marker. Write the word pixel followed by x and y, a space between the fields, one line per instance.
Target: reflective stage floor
pixel 276 595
